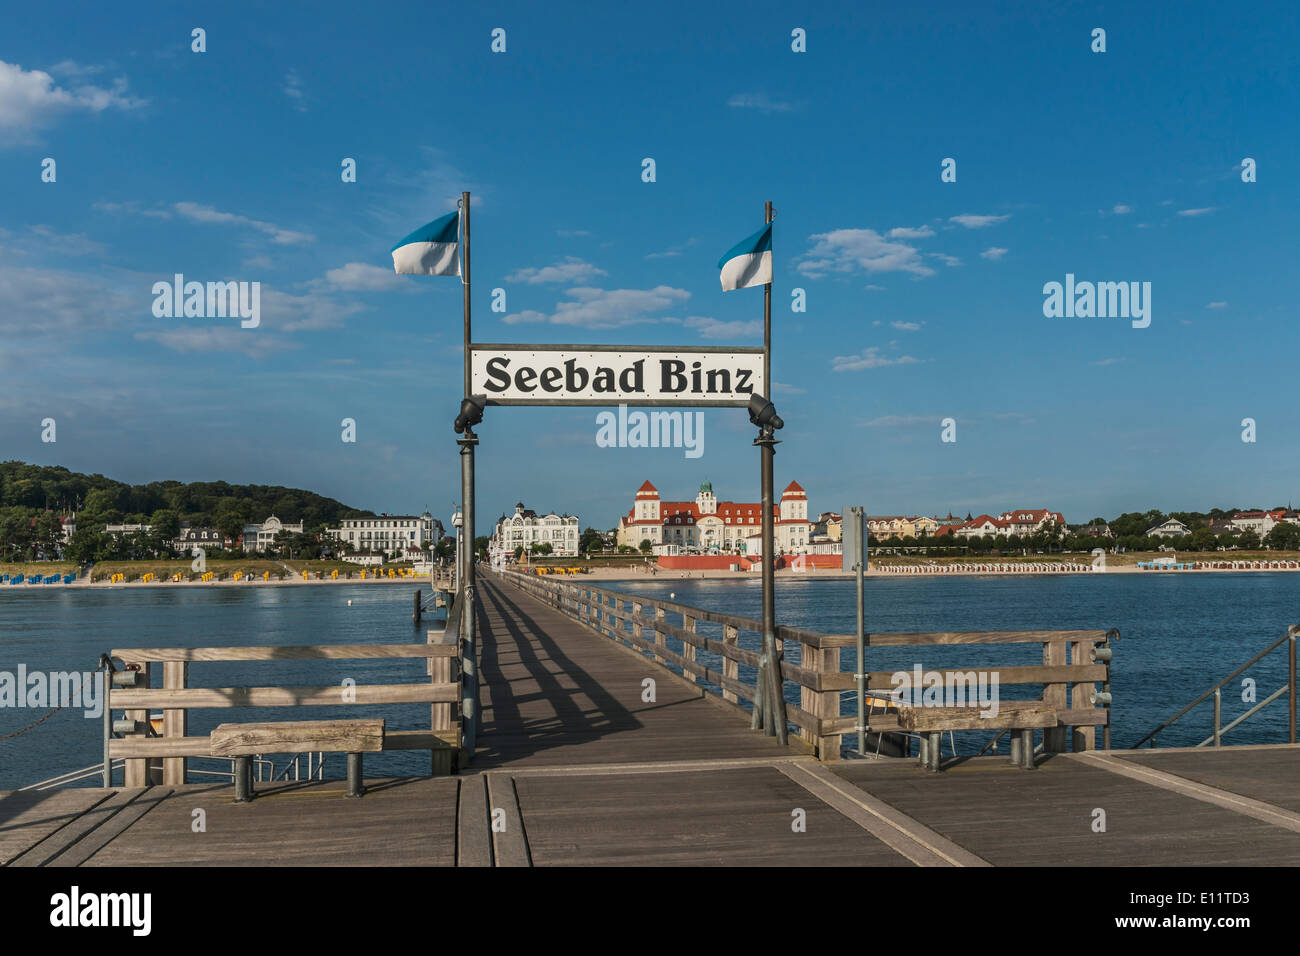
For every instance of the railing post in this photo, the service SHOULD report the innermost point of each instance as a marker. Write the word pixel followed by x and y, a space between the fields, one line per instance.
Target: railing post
pixel 135 771
pixel 1054 694
pixel 441 671
pixel 688 649
pixel 823 705
pixel 1082 738
pixel 1218 716
pixel 636 626
pixel 730 668
pixel 660 640
pixel 175 722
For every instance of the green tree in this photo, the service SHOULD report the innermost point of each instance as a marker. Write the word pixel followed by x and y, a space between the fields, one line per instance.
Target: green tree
pixel 1284 536
pixel 1203 539
pixel 646 546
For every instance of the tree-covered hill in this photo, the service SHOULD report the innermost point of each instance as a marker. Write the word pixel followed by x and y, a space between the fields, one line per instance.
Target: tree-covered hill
pixel 30 490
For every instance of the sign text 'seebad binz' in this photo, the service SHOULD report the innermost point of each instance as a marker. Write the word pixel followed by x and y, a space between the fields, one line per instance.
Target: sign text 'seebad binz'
pixel 611 375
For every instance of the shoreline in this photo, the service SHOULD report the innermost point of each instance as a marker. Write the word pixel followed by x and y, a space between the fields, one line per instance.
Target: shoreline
pixel 102 585
pixel 913 571
pixel 898 571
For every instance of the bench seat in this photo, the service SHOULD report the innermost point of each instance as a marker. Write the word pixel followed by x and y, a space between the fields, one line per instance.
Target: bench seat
pixel 243 741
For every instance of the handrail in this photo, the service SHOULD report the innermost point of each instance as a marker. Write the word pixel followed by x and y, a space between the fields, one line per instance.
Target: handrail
pixel 129 690
pixel 1291 634
pixel 640 621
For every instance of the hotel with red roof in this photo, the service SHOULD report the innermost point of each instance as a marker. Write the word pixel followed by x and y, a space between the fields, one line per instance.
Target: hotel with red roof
pixel 709 524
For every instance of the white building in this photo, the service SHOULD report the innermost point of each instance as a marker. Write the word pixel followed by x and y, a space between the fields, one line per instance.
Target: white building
pixel 1173 528
pixel 120 529
pixel 1260 522
pixel 259 537
pixel 392 535
pixel 526 527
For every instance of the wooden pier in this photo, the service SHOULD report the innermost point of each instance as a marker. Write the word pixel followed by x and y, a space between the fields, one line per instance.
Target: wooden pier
pixel 577 764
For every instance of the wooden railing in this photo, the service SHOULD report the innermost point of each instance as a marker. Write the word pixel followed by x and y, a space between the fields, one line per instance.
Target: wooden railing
pixel 1073 661
pixel 130 690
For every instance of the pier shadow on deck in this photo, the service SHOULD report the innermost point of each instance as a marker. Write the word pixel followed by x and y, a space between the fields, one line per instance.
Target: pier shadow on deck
pixel 554 692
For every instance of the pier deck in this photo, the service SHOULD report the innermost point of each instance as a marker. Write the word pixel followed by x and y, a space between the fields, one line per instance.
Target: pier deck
pixel 583 771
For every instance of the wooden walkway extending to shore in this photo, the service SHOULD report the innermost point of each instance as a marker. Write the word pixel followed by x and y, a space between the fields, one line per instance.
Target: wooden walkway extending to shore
pixel 573 767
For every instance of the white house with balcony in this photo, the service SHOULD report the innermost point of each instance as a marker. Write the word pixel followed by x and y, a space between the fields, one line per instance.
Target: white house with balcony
pixel 526 528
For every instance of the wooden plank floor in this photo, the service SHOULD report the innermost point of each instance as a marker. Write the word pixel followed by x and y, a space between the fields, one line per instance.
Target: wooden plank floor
pixel 404 822
pixel 732 817
pixel 1269 774
pixel 575 769
pixel 1044 817
pixel 554 692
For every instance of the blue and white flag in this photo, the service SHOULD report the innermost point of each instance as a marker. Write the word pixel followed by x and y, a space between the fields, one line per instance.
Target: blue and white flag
pixel 432 250
pixel 748 262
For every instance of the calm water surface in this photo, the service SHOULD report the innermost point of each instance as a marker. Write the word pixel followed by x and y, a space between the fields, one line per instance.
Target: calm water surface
pixel 1180 634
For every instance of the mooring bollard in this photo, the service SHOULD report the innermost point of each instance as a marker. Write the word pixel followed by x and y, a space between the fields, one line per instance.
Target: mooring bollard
pixel 355 789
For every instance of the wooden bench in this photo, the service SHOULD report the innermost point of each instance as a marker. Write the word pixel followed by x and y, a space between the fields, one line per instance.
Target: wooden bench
pixel 1022 718
pixel 244 741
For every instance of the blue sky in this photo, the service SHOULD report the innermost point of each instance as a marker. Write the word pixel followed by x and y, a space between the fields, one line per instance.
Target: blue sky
pixel 924 298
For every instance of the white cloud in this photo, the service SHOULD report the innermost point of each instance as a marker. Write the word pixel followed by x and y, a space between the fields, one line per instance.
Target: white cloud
pixel 759 101
pixel 570 269
pixel 215 338
pixel 607 308
pixel 363 277
pixel 947 260
pixel 1122 210
pixel 710 328
pixel 866 359
pixel 848 250
pixel 907 326
pixel 993 252
pixel 73 68
pixel 309 312
pixel 29 99
pixel 571 233
pixel 1106 361
pixel 907 232
pixel 293 90
pixel 780 388
pixel 1216 305
pixel 197 212
pixel 528 315
pixel 133 208
pixel 977 222
pixel 55 304
pixel 1197 212
pixel 62 244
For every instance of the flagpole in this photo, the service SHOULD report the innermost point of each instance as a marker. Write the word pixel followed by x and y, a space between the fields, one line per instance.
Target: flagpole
pixel 767 312
pixel 469 685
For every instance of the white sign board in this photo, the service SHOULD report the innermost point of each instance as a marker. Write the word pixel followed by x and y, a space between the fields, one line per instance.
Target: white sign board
pixel 614 375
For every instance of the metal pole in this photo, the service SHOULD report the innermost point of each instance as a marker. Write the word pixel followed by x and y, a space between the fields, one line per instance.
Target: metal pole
pixel 860 529
pixel 464 278
pixel 469 689
pixel 767 315
pixel 774 703
pixel 108 722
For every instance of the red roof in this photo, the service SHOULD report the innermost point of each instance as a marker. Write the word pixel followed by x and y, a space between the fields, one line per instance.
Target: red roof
pixel 646 486
pixel 793 486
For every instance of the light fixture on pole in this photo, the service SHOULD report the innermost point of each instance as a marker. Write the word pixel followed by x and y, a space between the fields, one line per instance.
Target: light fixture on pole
pixel 769 703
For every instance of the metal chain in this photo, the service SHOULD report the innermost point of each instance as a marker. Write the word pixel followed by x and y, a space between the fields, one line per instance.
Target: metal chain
pixel 19 733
